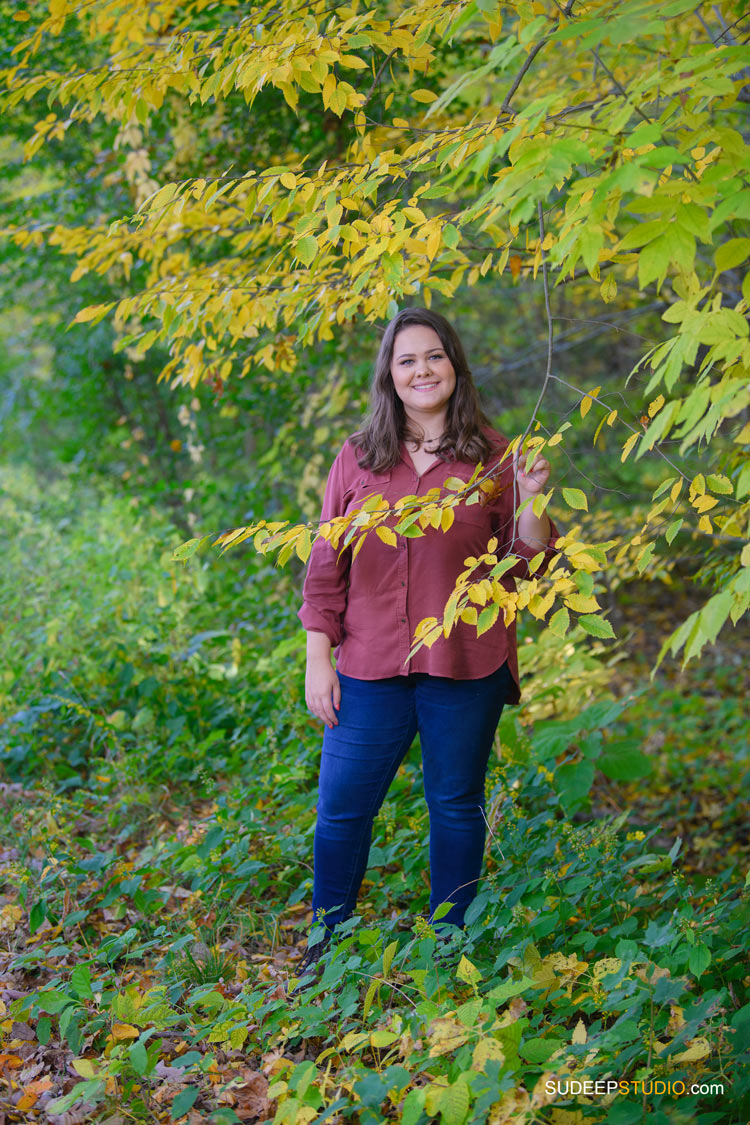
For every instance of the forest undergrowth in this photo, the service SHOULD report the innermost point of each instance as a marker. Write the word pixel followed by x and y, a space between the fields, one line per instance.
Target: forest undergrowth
pixel 157 820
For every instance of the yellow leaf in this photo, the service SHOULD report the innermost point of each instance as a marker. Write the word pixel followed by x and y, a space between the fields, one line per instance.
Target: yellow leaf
pixel 487 1048
pixel 539 503
pixel 90 312
pixel 10 916
pixel 328 87
pixel 445 1035
pixel 608 289
pixel 424 95
pixel 606 965
pixel 585 405
pixel 447 519
pixel 655 406
pixel 629 445
pixel 387 535
pixel 579 1032
pixel 700 1048
pixel 352 1040
pixel 383 1038
pixel 303 545
pixel 580 604
pixel 124 1031
pixel 85 1067
pixel 424 626
pixel 467 971
pixel 352 61
pixel 288 180
pixel 469 615
pixel 433 242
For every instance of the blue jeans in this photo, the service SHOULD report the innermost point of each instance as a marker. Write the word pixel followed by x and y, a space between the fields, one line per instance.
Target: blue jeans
pixel 378 719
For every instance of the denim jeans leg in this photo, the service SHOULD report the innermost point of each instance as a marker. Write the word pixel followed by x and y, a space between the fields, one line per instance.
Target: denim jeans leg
pixel 360 758
pixel 457 720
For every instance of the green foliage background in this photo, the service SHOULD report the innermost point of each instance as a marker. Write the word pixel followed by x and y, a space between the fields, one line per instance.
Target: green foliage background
pixel 160 767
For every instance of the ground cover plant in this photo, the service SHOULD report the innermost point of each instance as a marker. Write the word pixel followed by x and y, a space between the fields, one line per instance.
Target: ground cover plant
pixel 209 213
pixel 157 879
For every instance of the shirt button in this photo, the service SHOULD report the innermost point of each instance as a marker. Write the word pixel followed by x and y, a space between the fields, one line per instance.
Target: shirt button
pixel 403 583
pixel 403 619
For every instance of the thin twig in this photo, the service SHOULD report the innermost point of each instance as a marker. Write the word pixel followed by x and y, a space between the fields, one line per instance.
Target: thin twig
pixel 376 79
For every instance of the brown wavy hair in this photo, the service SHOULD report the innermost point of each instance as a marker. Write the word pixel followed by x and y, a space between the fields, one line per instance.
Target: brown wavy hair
pixel 387 425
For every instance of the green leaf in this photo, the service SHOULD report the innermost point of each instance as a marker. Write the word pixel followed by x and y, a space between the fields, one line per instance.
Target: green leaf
pixel 672 530
pixel 624 763
pixel 731 253
pixel 306 249
pixel 442 910
pixel 187 550
pixel 369 997
pixel 539 1050
pixel 574 498
pixel 595 625
pixel 389 954
pixel 559 623
pixel 80 979
pixel 720 484
pixel 454 1102
pixel 37 915
pixel 743 481
pixel 510 988
pixel 487 618
pixel 450 236
pixel 139 1058
pixel 699 959
pixel 184 1101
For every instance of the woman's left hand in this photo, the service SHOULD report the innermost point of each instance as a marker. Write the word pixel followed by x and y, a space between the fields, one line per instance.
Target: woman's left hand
pixel 531 477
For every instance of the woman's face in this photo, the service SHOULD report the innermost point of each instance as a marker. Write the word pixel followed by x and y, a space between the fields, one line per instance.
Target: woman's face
pixel 422 372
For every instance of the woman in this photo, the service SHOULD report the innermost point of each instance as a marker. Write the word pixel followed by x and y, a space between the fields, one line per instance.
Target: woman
pixel 425 425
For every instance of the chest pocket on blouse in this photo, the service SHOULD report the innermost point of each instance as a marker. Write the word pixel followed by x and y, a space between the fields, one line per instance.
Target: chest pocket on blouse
pixel 365 485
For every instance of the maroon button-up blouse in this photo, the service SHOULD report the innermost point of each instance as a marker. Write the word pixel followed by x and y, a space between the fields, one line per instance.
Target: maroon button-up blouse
pixel 369 607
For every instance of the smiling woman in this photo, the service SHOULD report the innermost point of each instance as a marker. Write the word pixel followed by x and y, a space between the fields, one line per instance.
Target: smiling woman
pixel 425 425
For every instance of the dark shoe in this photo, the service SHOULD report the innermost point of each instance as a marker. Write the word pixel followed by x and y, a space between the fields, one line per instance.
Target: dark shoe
pixel 309 967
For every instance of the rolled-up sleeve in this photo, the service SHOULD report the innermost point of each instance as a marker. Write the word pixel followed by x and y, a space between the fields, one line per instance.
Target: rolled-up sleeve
pixel 505 526
pixel 326 579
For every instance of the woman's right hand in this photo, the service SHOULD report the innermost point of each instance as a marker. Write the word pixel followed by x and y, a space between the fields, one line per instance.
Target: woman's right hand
pixel 323 690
